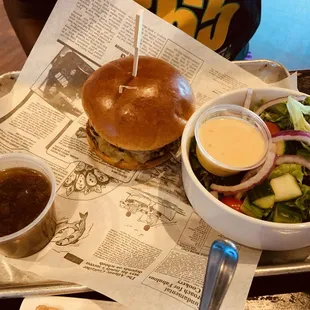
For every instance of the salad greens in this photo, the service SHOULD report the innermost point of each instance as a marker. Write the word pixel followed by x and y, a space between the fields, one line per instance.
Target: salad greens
pixel 286 115
pixel 250 209
pixel 206 178
pixel 294 169
pixel 290 180
pixel 303 202
pixel 297 111
pixel 286 214
pixel 303 153
pixel 278 114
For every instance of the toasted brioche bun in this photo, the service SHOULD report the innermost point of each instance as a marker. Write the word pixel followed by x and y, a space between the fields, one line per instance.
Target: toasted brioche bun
pixel 133 165
pixel 42 307
pixel 142 119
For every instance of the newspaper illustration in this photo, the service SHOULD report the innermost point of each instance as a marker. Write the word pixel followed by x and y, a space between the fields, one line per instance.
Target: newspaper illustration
pixel 70 233
pixel 166 177
pixel 61 83
pixel 87 182
pixel 152 210
pixel 130 235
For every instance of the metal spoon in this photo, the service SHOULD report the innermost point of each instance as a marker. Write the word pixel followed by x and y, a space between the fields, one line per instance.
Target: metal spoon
pixel 222 263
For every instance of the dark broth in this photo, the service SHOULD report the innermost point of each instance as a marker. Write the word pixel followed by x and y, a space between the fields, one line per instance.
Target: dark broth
pixel 24 194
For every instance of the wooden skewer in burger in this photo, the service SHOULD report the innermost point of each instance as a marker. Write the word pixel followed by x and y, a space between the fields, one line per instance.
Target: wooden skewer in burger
pixel 136 115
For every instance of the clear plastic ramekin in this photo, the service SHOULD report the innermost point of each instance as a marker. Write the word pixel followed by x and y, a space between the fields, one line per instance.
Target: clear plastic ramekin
pixel 229 110
pixel 36 235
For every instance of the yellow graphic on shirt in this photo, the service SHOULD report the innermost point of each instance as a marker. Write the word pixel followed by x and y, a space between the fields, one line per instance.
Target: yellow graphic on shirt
pixel 145 3
pixel 194 3
pixel 218 15
pixel 184 18
pixel 226 13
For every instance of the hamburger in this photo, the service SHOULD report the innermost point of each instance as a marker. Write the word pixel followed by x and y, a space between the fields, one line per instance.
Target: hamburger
pixel 139 126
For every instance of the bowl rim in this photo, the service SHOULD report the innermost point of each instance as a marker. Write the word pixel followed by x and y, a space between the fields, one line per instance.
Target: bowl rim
pixel 29 158
pixel 186 163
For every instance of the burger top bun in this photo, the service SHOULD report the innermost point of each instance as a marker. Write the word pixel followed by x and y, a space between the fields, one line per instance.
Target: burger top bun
pixel 147 117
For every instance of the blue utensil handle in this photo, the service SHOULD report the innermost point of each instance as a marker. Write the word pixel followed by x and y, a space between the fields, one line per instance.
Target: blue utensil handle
pixel 222 263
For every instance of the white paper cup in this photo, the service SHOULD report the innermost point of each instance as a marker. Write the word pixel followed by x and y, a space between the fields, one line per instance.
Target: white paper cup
pixel 36 235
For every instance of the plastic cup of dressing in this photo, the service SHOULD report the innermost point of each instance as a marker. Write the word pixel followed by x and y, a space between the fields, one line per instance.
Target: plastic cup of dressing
pixel 231 139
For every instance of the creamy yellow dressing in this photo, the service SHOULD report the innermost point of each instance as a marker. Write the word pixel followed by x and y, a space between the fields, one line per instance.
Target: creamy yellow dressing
pixel 231 141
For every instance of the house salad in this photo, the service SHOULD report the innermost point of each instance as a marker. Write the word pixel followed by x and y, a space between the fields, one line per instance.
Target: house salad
pixel 279 189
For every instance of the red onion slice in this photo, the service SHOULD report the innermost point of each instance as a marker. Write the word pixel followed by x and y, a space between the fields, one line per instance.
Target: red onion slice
pixel 247 176
pixel 260 177
pixel 277 101
pixel 215 194
pixel 239 195
pixel 292 135
pixel 250 174
pixel 293 159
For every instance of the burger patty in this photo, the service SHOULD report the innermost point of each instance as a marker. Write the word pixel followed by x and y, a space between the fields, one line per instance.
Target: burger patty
pixel 119 154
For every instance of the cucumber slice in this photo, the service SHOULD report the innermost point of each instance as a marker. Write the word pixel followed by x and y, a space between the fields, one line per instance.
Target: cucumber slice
pixel 286 214
pixel 265 202
pixel 251 210
pixel 262 196
pixel 285 188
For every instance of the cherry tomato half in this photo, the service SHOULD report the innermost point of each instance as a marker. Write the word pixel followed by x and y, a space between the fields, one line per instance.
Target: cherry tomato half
pixel 273 128
pixel 232 202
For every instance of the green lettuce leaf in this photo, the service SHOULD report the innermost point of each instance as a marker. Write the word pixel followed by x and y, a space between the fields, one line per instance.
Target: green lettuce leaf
pixel 251 210
pixel 293 169
pixel 206 178
pixel 303 202
pixel 285 214
pixel 303 153
pixel 307 101
pixel 297 112
pixel 278 114
pixel 283 114
pixel 201 174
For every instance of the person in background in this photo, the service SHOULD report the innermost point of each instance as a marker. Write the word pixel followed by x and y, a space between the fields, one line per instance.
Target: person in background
pixel 225 26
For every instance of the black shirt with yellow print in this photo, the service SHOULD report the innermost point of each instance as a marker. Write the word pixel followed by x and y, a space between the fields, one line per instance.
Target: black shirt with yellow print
pixel 225 26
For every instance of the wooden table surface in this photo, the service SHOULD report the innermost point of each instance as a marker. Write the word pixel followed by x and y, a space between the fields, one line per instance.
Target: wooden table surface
pixel 12 56
pixel 303 77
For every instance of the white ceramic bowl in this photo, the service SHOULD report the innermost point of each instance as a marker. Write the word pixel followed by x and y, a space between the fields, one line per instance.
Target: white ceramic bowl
pixel 239 227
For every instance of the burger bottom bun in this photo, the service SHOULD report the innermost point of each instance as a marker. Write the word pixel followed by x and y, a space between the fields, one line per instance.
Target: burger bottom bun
pixel 134 165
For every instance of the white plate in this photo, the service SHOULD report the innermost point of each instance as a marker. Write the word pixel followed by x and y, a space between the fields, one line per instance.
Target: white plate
pixel 66 303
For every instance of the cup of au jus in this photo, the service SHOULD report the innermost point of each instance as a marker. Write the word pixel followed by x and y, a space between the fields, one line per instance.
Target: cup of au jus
pixel 27 193
pixel 231 139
